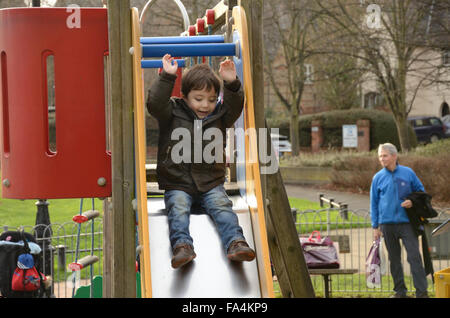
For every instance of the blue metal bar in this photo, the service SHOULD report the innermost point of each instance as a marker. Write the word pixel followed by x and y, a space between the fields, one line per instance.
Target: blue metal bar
pixel 197 49
pixel 158 63
pixel 183 39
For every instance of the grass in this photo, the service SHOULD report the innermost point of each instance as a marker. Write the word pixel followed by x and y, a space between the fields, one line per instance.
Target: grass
pixel 303 205
pixel 355 286
pixel 15 213
pixel 313 217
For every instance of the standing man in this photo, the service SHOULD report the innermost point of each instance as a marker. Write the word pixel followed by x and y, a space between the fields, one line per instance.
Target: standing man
pixel 390 187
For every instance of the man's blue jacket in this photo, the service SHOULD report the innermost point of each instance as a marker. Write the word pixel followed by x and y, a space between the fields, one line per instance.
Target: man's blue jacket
pixel 388 190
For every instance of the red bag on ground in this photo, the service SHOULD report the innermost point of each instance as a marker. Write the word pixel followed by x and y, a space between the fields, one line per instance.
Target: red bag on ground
pixel 319 253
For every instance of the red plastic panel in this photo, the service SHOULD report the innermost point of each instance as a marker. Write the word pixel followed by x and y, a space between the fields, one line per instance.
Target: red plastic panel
pixel 78 44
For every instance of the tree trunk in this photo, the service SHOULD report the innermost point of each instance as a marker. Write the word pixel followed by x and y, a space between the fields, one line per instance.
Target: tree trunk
pixel 403 133
pixel 400 113
pixel 294 132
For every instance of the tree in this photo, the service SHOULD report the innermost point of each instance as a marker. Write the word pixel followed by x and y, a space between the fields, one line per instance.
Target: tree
pixel 337 77
pixel 391 39
pixel 288 46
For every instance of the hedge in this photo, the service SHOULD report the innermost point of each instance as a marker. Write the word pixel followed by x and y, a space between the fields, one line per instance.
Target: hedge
pixel 382 127
pixel 356 173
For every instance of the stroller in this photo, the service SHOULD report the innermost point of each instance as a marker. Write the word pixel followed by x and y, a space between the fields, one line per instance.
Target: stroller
pixel 20 275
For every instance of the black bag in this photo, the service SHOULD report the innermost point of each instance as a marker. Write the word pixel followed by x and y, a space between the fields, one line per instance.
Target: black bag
pixel 9 254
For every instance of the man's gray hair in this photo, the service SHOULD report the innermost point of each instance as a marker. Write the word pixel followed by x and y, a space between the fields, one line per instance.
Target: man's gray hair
pixel 388 147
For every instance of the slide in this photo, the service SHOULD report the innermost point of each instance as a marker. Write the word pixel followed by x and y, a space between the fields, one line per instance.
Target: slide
pixel 210 274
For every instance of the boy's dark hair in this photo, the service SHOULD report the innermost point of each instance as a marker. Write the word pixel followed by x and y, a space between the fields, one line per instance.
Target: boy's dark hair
pixel 199 77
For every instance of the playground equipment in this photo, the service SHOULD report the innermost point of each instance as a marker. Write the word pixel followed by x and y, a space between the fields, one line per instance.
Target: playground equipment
pixel 210 264
pixel 80 165
pixel 89 260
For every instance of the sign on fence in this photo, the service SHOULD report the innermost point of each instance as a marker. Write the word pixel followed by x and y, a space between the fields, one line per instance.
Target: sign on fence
pixel 349 136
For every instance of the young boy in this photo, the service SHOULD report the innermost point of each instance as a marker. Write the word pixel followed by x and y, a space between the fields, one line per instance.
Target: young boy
pixel 196 181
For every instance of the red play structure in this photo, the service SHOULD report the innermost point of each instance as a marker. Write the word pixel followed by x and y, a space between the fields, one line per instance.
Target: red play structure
pixel 80 166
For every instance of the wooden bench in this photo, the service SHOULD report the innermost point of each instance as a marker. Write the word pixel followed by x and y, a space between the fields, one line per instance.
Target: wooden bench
pixel 326 276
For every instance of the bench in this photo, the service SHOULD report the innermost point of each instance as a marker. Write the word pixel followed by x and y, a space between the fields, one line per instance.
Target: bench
pixel 326 276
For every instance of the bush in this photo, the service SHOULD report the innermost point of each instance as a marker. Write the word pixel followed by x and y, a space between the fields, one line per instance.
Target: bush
pixel 355 173
pixel 439 147
pixel 433 171
pixel 324 158
pixel 431 163
pixel 382 127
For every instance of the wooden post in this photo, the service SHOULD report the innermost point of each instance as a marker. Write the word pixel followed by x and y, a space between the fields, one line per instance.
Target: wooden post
pixel 286 253
pixel 119 228
pixel 285 249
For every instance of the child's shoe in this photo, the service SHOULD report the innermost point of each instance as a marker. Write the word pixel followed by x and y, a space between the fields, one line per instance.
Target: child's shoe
pixel 182 254
pixel 239 251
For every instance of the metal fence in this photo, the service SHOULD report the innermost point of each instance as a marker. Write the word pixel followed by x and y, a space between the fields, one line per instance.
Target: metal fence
pixel 353 236
pixel 64 244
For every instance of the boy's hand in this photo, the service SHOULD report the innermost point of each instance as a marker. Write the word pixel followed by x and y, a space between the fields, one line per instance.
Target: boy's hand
pixel 169 64
pixel 227 70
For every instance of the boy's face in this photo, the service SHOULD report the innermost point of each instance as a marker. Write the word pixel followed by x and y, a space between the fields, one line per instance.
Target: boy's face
pixel 202 102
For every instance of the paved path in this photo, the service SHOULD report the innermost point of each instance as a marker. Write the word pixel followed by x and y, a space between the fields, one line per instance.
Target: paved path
pixel 355 201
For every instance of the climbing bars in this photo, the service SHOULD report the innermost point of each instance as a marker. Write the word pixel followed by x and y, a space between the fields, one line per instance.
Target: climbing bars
pixel 187 46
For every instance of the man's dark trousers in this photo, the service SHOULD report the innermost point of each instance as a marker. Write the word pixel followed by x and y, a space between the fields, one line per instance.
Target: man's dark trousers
pixel 392 234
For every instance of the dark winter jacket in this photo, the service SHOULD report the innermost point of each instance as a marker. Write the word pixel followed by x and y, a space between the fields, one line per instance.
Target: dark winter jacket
pixel 171 112
pixel 419 212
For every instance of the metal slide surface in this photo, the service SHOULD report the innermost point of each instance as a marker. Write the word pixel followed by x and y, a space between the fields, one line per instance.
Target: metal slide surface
pixel 210 274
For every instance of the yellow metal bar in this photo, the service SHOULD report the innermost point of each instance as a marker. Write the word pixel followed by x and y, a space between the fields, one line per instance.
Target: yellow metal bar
pixel 253 178
pixel 140 154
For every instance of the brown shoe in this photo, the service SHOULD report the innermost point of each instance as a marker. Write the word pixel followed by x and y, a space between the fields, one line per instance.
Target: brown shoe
pixel 182 254
pixel 239 251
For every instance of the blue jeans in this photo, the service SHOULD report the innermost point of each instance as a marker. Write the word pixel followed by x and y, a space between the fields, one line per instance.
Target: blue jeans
pixel 215 203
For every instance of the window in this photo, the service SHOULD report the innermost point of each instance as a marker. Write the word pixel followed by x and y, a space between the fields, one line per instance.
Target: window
pixel 435 122
pixel 309 76
pixel 445 110
pixel 372 100
pixel 422 122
